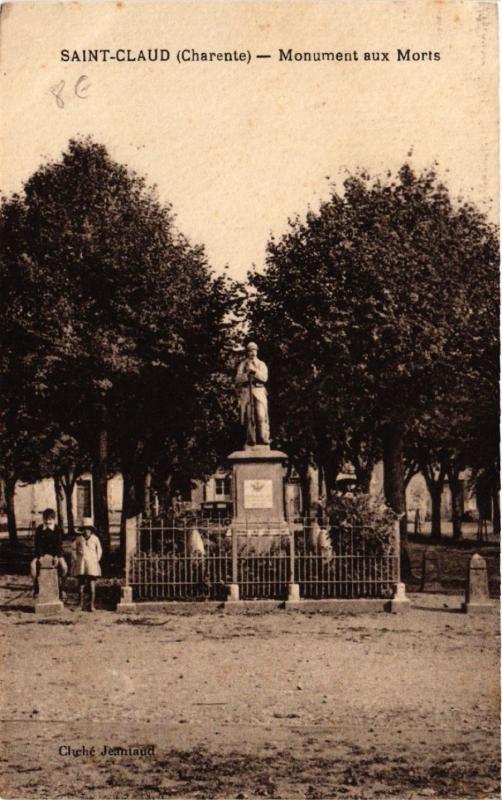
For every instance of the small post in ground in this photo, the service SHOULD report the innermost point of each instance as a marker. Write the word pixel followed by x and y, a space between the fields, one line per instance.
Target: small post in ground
pixel 293 588
pixel 399 602
pixel 477 595
pixel 131 543
pixel 233 589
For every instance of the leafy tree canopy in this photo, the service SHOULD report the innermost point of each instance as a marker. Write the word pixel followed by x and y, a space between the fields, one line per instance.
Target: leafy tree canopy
pixel 113 320
pixel 368 308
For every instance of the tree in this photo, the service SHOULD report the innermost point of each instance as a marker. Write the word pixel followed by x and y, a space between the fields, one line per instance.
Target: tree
pixel 125 317
pixel 363 308
pixel 21 441
pixel 482 436
pixel 426 447
pixel 437 444
pixel 25 434
pixel 66 462
pixel 186 435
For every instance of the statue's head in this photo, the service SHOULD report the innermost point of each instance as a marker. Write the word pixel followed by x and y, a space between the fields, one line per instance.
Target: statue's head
pixel 252 349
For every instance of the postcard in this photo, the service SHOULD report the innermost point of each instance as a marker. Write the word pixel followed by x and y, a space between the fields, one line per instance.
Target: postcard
pixel 249 466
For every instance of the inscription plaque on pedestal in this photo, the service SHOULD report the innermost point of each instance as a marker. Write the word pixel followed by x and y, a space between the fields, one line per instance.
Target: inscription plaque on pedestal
pixel 258 494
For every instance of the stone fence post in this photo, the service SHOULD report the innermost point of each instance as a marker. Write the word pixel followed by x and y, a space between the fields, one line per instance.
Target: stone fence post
pixel 399 601
pixel 132 532
pixel 233 588
pixel 293 586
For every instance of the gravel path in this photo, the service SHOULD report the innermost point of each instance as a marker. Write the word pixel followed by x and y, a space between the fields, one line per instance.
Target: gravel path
pixel 260 705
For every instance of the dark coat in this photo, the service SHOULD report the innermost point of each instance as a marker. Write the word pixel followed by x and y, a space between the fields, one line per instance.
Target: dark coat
pixel 47 542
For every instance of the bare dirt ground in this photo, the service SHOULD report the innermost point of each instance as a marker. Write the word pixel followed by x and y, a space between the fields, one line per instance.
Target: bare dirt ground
pixel 283 705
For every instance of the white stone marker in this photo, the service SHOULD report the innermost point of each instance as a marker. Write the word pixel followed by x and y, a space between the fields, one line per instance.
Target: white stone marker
pixel 477 595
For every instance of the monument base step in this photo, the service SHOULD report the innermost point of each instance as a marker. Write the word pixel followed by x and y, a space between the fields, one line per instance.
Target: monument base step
pixel 340 606
pixel 171 607
pixel 244 606
pixel 477 608
pixel 330 606
pixel 53 607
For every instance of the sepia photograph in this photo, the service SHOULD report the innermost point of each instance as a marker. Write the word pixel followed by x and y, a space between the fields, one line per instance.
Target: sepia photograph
pixel 249 400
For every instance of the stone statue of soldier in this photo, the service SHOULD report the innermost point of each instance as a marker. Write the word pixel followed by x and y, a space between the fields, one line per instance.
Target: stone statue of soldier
pixel 252 375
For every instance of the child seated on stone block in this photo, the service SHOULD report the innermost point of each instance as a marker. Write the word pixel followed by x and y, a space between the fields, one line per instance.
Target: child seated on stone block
pixel 49 542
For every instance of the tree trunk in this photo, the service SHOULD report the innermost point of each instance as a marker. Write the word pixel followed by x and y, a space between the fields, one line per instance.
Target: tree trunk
pixel 322 490
pixel 163 493
pixel 363 465
pixel 100 480
pixel 457 503
pixel 132 499
pixel 3 501
pixel 147 494
pixel 10 488
pixel 435 485
pixel 127 486
pixel 58 491
pixel 411 470
pixel 484 500
pixel 305 489
pixel 68 484
pixel 435 493
pixel 304 475
pixel 329 461
pixel 364 474
pixel 496 510
pixel 329 478
pixel 393 474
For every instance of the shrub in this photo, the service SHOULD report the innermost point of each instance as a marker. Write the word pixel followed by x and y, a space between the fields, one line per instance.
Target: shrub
pixel 370 520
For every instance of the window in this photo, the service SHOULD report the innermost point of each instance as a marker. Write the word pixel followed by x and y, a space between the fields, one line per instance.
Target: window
pixel 84 502
pixel 222 486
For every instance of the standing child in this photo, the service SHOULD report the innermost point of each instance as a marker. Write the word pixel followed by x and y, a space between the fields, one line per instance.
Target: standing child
pixel 89 552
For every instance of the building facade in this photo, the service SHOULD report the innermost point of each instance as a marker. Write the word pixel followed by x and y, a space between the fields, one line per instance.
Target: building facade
pixel 215 495
pixel 31 499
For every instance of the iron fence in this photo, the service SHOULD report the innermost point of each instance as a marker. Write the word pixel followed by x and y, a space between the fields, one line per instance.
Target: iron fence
pixel 181 562
pixel 345 563
pixel 263 563
pixel 199 559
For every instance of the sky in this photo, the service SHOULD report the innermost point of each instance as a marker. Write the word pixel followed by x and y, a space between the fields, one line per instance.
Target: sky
pixel 236 147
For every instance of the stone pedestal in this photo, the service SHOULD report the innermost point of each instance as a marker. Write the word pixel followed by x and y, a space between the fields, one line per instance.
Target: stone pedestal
pixel 258 522
pixel 258 488
pixel 47 600
pixel 477 595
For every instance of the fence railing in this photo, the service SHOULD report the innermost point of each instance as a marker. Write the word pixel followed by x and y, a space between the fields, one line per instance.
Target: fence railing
pixel 346 563
pixel 200 560
pixel 180 563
